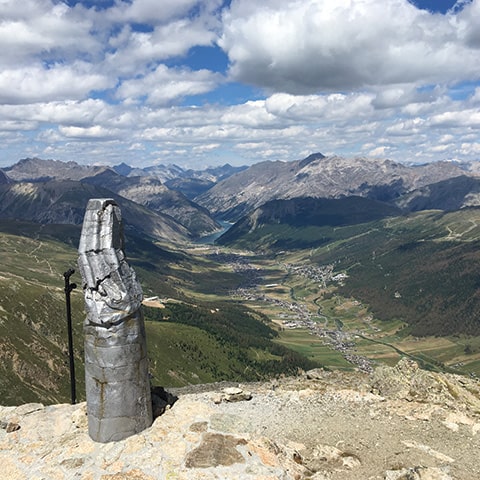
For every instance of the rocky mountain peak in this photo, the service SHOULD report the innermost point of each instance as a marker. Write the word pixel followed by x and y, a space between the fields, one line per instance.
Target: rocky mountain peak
pixel 319 176
pixel 398 423
pixel 123 169
pixel 311 158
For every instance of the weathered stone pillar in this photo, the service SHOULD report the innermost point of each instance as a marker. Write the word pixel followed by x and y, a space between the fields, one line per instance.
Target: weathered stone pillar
pixel 116 364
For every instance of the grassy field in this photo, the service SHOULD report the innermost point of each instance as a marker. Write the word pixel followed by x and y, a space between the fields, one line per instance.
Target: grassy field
pixel 302 341
pixel 33 327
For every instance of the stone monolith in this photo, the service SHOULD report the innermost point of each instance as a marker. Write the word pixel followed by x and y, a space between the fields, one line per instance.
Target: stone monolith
pixel 116 364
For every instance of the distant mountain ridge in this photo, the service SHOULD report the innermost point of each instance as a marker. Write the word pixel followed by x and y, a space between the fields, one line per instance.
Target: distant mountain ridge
pixel 64 202
pixel 318 176
pixel 229 193
pixel 304 212
pixel 169 172
pixel 142 186
pixel 151 193
pixel 190 182
pixel 36 169
pixel 447 195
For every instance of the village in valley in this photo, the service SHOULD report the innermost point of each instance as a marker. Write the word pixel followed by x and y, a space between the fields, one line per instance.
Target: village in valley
pixel 293 312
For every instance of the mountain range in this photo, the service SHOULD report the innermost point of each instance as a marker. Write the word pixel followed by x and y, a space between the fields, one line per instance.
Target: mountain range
pixel 318 176
pixel 50 191
pixel 190 202
pixel 64 202
pixel 405 238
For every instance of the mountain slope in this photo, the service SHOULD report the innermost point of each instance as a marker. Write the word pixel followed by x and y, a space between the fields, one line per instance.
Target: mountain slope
pixel 190 187
pixel 319 176
pixel 448 195
pixel 151 193
pixel 288 223
pixel 420 268
pixel 189 341
pixel 4 177
pixel 65 202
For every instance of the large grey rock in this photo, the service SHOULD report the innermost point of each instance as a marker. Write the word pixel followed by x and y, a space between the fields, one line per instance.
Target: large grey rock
pixel 116 365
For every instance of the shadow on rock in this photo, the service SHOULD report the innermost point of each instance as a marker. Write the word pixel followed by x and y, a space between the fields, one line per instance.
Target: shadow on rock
pixel 161 401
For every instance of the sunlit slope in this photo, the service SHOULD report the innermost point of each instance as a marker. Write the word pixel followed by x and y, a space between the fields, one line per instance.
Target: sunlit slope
pixel 187 341
pixel 422 269
pixel 33 327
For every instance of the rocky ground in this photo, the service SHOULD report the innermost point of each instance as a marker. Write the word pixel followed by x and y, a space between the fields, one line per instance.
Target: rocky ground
pixel 399 423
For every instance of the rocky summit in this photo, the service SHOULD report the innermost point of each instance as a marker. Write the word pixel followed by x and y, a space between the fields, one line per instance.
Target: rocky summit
pixel 399 423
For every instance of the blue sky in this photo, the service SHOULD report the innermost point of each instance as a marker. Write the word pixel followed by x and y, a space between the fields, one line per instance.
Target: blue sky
pixel 202 83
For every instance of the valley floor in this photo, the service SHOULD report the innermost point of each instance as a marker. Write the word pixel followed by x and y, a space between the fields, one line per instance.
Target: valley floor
pixel 336 331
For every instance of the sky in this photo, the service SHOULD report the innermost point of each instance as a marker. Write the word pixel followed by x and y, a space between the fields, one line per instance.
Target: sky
pixel 204 83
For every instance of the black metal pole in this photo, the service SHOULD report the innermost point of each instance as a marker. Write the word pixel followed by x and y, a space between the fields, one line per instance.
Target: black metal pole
pixel 68 288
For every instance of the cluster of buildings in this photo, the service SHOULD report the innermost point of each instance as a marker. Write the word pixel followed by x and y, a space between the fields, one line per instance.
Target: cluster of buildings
pixel 297 315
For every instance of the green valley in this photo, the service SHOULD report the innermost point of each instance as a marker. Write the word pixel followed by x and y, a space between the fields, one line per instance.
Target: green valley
pixel 360 294
pixel 197 338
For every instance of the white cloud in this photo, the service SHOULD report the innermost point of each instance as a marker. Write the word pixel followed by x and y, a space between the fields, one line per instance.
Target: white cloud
pixel 206 148
pixel 462 118
pixel 469 23
pixel 333 106
pixel 60 82
pixel 470 148
pixel 146 11
pixel 164 85
pixel 134 51
pixel 93 132
pixel 475 98
pixel 381 151
pixel 70 112
pixel 441 148
pixel 309 46
pixel 251 114
pixel 150 11
pixel 43 27
pixel 377 77
pixel 406 128
pixel 8 126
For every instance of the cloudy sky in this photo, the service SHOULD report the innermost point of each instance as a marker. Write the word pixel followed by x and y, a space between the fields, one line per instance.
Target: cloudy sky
pixel 201 83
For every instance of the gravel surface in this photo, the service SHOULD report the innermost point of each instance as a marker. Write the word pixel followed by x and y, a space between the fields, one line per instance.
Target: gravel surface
pixel 373 434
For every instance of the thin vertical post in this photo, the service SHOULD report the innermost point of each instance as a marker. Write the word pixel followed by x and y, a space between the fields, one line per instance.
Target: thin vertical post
pixel 68 288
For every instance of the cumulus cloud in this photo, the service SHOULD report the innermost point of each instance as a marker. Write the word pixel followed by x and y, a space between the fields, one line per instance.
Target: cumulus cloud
pixel 164 85
pixel 41 27
pixel 149 11
pixel 124 80
pixel 406 128
pixel 93 132
pixel 464 118
pixel 469 24
pixel 311 45
pixel 133 51
pixel 59 82
pixel 332 106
